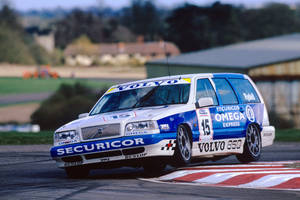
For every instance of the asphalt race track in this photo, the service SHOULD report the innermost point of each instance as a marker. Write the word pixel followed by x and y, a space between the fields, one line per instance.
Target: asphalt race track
pixel 29 173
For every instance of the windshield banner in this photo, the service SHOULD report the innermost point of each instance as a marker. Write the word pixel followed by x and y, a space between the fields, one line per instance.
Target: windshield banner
pixel 148 84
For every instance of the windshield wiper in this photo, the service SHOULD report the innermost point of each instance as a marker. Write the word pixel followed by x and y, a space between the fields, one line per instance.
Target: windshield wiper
pixel 145 97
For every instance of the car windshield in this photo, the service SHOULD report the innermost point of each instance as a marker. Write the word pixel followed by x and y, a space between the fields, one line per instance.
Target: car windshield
pixel 143 97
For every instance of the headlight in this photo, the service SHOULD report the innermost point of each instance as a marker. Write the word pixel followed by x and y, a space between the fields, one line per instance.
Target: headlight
pixel 143 127
pixel 65 137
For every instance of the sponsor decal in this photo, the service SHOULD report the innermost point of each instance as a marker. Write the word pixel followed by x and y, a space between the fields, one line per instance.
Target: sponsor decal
pixel 67 142
pixel 234 144
pixel 203 111
pixel 227 108
pixel 164 127
pixel 99 131
pixel 250 113
pixel 249 96
pixel 119 116
pixel 212 146
pixel 104 159
pixel 170 146
pixel 99 146
pixel 111 89
pixel 231 124
pixel 135 156
pixel 205 124
pixel 149 84
pixel 132 133
pixel 220 145
pixel 71 164
pixel 229 116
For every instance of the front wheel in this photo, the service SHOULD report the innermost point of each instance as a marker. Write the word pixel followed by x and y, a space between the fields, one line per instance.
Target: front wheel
pixel 252 146
pixel 183 150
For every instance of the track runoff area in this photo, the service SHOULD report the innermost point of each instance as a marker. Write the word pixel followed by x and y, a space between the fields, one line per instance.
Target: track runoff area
pixel 257 175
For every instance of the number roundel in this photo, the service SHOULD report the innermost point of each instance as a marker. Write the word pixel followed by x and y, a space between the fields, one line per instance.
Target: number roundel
pixel 205 126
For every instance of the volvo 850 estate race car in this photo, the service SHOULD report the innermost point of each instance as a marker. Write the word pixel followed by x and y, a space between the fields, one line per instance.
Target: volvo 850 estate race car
pixel 167 120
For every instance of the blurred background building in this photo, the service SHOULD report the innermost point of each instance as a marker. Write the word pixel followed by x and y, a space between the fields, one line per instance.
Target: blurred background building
pixel 118 53
pixel 273 63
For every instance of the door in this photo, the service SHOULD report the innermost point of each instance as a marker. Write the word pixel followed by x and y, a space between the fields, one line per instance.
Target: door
pixel 228 117
pixel 205 89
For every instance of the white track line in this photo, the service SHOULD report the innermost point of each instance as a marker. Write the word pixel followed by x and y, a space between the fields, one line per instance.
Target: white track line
pixel 220 177
pixel 239 165
pixel 182 173
pixel 270 180
pixel 155 180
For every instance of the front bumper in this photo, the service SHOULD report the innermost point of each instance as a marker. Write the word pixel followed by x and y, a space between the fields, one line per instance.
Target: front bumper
pixel 123 148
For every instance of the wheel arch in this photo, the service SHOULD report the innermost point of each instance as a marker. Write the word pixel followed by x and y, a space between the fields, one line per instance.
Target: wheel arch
pixel 248 156
pixel 257 126
pixel 189 129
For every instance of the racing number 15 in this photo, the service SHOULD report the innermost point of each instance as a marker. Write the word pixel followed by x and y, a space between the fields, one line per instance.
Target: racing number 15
pixel 205 126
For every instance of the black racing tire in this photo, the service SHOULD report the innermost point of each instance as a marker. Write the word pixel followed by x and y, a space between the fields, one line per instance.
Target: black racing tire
pixel 252 146
pixel 183 150
pixel 77 172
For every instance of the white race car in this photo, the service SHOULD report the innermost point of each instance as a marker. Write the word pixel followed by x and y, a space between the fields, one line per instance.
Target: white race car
pixel 167 120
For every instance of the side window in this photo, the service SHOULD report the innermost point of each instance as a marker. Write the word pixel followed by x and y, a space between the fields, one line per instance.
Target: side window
pixel 245 90
pixel 225 91
pixel 205 89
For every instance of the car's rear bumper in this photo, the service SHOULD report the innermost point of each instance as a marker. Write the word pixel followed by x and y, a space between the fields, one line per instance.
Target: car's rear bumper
pixel 117 149
pixel 267 135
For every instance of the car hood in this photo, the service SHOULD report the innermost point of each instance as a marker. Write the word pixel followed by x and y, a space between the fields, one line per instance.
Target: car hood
pixel 124 116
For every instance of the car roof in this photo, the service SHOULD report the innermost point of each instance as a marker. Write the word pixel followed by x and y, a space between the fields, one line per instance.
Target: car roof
pixel 191 76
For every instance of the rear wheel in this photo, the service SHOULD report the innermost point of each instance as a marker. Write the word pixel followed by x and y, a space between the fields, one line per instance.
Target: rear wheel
pixel 252 146
pixel 183 150
pixel 77 172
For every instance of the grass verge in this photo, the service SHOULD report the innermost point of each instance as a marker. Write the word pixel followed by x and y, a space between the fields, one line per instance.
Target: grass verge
pixel 287 135
pixel 19 85
pixel 17 138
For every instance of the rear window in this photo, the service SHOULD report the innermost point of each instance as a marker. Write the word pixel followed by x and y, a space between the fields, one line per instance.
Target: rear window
pixel 245 90
pixel 225 91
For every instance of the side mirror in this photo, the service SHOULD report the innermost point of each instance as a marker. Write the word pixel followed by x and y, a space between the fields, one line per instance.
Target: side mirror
pixel 204 102
pixel 83 115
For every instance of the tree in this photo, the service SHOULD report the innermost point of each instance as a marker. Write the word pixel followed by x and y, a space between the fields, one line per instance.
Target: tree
pixel 143 18
pixel 271 20
pixel 78 23
pixel 12 47
pixel 9 18
pixel 192 27
pixel 16 46
pixel 64 106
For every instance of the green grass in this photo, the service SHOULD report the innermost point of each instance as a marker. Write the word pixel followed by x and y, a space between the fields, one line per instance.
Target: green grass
pixel 18 85
pixel 46 137
pixel 43 137
pixel 287 135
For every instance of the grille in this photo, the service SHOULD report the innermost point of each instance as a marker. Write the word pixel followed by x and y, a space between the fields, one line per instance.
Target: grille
pixel 133 151
pixel 103 154
pixel 115 153
pixel 102 131
pixel 72 159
